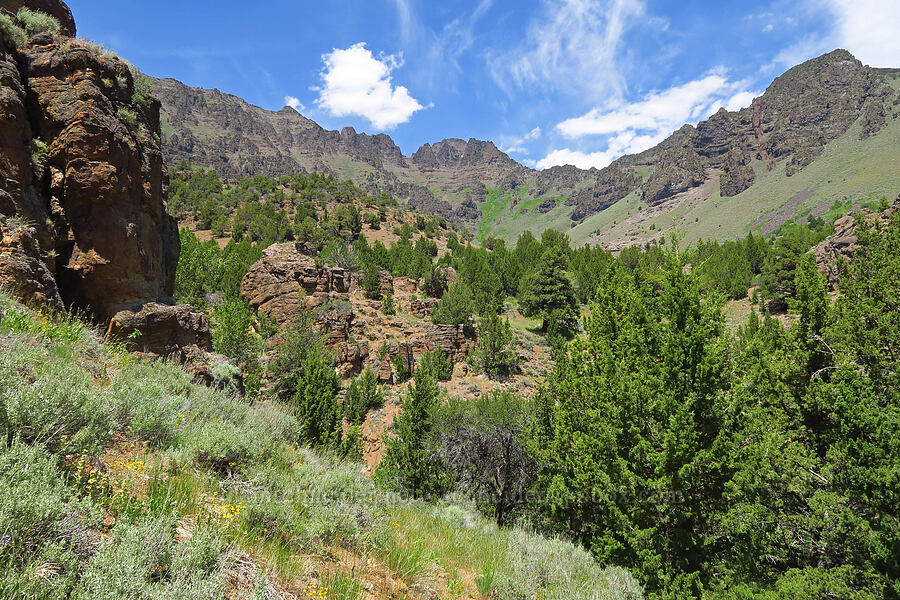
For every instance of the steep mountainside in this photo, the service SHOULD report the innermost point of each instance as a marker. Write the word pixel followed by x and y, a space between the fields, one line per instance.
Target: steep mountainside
pixel 783 132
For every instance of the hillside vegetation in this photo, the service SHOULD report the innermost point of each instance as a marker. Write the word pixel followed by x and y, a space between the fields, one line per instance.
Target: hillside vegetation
pixel 122 479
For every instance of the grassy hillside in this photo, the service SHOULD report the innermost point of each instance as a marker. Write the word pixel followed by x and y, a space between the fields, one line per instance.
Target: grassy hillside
pixel 850 171
pixel 121 478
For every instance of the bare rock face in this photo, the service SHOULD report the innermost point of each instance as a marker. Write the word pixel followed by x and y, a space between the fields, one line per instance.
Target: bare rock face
pixel 837 250
pixel 83 222
pixel 278 284
pixel 678 168
pixel 612 185
pixel 738 173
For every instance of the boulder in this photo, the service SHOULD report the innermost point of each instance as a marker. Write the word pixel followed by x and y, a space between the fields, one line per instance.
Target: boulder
pixel 161 329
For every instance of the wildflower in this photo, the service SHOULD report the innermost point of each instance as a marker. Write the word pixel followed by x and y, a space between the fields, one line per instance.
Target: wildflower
pixel 5 540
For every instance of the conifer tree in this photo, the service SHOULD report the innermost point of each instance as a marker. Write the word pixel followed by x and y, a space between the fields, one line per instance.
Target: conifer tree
pixel 411 464
pixel 547 292
pixel 316 402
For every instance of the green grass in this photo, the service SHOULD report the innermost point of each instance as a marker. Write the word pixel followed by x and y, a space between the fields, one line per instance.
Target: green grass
pixel 851 171
pixel 848 170
pixel 201 488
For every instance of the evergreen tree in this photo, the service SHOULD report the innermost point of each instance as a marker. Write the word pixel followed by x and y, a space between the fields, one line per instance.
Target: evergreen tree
pixel 456 306
pixel 371 281
pixel 496 351
pixel 411 464
pixel 630 448
pixel 547 292
pixel 436 363
pixel 362 396
pixel 316 403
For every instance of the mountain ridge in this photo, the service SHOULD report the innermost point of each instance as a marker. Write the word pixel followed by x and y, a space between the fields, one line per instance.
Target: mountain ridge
pixel 801 112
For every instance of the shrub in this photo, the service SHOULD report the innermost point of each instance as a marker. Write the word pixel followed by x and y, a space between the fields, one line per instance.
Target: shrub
pixel 51 401
pixel 232 336
pixel 145 404
pixel 341 255
pixel 143 91
pixel 13 35
pixel 127 116
pixel 480 443
pixel 436 363
pixel 299 343
pixel 363 395
pixel 141 560
pixel 36 21
pixel 33 497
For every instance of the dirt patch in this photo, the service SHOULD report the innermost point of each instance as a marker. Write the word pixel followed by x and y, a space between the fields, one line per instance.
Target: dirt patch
pixel 771 221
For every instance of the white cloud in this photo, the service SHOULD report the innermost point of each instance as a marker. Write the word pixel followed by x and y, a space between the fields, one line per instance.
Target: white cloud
pixel 357 83
pixel 582 160
pixel 768 28
pixel 869 29
pixel 294 103
pixel 517 145
pixel 661 112
pixel 633 128
pixel 574 42
pixel 741 100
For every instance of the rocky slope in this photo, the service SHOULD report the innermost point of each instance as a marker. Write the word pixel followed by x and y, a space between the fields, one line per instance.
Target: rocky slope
pixel 836 251
pixel 83 222
pixel 786 128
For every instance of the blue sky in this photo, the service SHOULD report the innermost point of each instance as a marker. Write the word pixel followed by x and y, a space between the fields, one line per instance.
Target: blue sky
pixel 550 81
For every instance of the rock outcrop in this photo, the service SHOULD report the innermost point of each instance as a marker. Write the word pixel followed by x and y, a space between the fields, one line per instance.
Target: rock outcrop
pixel 287 280
pixel 612 185
pixel 54 8
pixel 837 250
pixel 83 222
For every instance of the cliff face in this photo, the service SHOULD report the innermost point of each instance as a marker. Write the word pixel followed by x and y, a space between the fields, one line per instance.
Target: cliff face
pixel 83 222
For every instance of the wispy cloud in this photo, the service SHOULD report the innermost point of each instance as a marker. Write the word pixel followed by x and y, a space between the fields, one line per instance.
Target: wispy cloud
pixel 438 50
pixel 294 103
pixel 570 42
pixel 517 145
pixel 635 127
pixel 357 83
pixel 869 29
